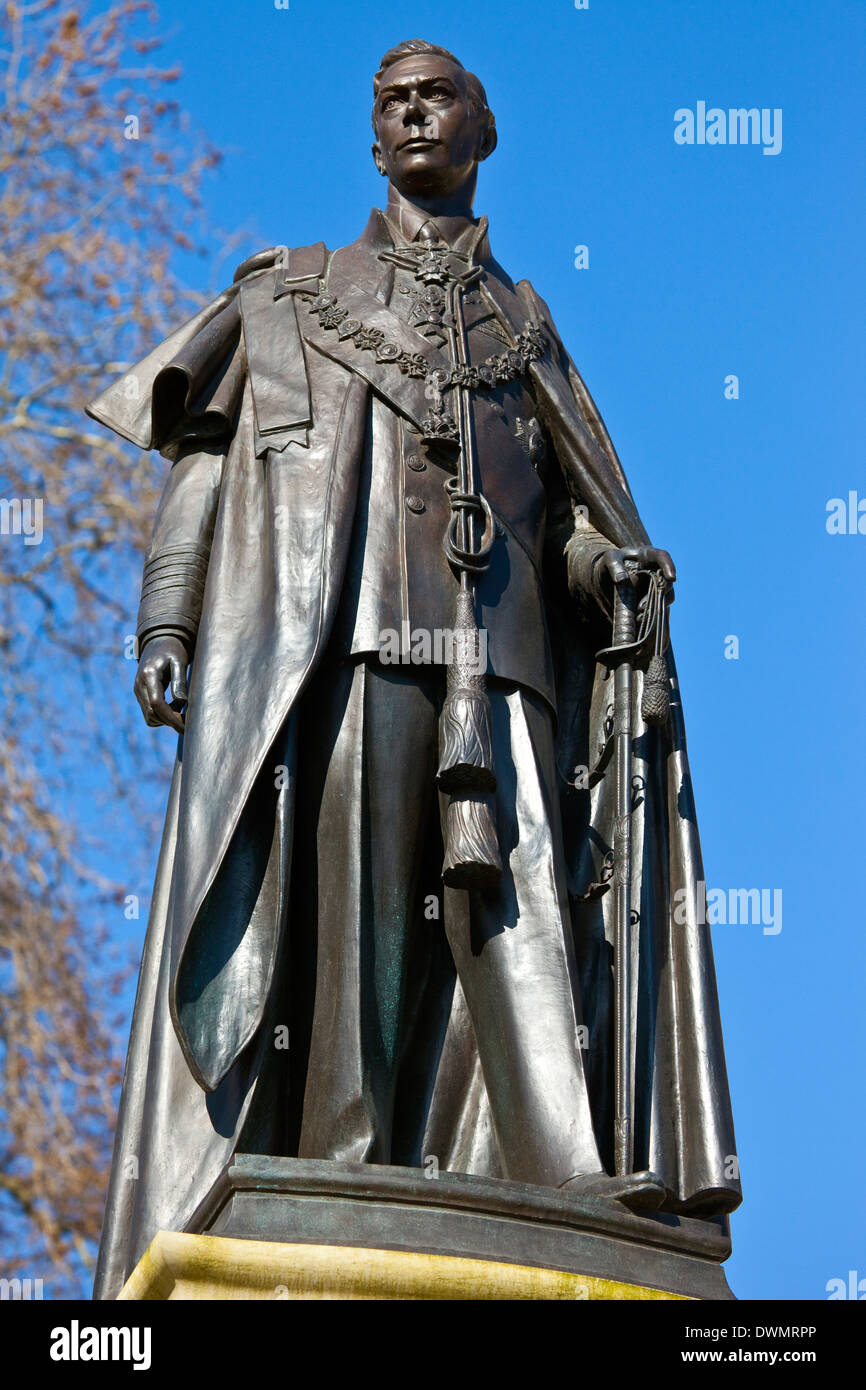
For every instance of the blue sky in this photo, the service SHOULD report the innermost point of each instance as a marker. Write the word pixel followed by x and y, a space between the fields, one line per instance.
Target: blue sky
pixel 704 261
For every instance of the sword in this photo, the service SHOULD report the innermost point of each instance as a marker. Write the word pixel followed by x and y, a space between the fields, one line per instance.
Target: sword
pixel 629 646
pixel 623 636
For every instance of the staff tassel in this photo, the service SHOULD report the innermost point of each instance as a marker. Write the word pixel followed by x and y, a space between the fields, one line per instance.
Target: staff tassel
pixel 466 773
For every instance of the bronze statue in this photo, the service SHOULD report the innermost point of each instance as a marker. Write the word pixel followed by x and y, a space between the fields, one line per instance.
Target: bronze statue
pixel 388 549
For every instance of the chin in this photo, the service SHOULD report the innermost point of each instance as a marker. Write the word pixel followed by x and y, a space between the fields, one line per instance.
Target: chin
pixel 427 163
pixel 423 177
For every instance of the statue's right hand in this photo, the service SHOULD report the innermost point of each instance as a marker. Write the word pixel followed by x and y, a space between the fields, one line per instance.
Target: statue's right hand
pixel 163 661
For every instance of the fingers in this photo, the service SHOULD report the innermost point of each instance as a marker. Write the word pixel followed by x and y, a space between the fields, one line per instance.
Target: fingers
pixel 149 688
pixel 145 693
pixel 614 563
pixel 169 714
pixel 665 564
pixel 651 558
pixel 178 680
pixel 623 564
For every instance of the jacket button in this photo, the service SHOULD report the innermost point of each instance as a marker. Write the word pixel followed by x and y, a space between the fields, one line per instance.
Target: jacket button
pixel 415 504
pixel 416 463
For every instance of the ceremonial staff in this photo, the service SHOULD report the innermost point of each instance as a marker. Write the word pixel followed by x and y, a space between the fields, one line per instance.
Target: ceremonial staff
pixel 466 769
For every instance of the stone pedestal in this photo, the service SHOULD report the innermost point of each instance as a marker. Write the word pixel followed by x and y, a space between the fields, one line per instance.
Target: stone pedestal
pixel 297 1229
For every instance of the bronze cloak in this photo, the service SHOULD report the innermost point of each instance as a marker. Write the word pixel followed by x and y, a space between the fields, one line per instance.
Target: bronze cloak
pixel 251 380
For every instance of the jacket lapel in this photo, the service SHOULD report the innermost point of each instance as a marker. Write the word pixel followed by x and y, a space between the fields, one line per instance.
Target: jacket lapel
pixel 501 297
pixel 278 376
pixel 361 283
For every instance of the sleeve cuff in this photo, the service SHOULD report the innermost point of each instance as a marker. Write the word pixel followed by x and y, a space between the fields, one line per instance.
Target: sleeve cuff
pixel 171 595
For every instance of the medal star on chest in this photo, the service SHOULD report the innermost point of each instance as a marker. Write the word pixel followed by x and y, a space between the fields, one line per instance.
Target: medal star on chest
pixel 426 309
pixel 434 269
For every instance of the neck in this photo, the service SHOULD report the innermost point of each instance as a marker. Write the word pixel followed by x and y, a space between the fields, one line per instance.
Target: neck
pixel 458 205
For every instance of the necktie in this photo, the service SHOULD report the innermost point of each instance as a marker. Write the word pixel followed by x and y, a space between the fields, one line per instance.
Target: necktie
pixel 430 233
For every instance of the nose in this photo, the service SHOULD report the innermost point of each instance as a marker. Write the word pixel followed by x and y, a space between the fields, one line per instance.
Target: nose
pixel 415 113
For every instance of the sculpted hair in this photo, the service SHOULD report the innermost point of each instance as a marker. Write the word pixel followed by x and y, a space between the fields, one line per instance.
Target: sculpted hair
pixel 477 94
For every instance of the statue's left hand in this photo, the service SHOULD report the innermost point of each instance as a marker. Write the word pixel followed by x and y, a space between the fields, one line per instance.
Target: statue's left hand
pixel 646 556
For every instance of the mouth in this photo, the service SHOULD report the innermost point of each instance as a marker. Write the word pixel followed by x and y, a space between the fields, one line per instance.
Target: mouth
pixel 418 143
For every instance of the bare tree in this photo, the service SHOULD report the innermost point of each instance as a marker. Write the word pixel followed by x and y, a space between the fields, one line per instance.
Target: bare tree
pixel 99 187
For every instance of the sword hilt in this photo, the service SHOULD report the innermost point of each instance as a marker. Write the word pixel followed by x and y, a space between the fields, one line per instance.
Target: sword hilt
pixel 624 608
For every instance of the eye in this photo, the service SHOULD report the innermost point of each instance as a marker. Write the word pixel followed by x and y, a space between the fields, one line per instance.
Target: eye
pixel 389 103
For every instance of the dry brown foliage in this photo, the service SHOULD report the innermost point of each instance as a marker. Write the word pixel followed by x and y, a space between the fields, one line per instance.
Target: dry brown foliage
pixel 89 222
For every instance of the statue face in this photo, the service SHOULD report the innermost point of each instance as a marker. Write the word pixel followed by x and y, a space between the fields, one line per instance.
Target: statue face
pixel 430 136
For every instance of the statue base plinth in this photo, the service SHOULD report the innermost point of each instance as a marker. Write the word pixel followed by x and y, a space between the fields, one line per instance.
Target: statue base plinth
pixel 181 1266
pixel 307 1229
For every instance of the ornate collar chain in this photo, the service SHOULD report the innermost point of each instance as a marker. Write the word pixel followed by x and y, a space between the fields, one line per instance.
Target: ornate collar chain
pixel 444 286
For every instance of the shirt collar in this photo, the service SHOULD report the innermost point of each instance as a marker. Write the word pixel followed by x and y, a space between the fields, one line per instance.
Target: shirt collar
pixel 465 234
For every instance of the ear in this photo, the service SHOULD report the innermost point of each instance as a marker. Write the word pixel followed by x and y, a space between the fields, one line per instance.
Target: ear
pixel 377 158
pixel 489 141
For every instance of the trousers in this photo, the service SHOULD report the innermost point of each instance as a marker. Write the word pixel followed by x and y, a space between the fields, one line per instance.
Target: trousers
pixel 379 947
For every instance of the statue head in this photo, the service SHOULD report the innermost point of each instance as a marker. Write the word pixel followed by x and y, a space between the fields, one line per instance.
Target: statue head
pixel 432 122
